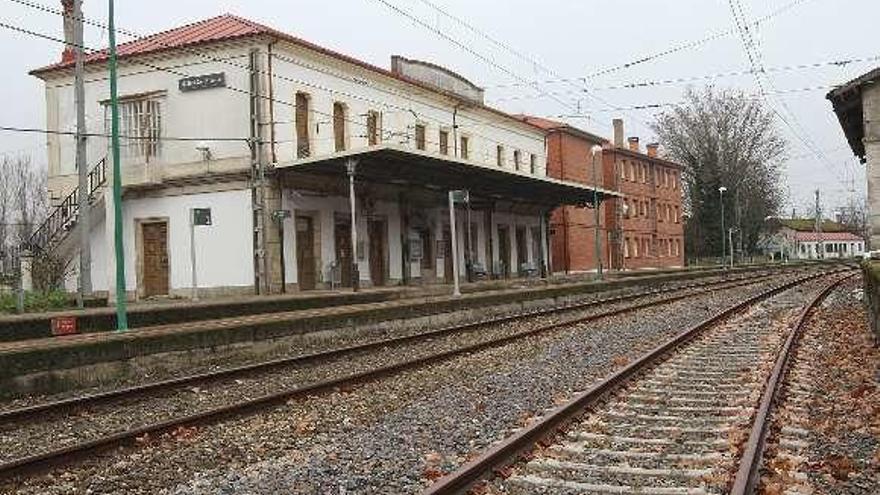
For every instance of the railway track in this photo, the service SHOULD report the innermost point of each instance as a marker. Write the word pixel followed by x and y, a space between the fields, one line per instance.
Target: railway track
pixel 78 450
pixel 689 417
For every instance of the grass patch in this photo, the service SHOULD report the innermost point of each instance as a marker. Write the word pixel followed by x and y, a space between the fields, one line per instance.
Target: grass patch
pixel 37 302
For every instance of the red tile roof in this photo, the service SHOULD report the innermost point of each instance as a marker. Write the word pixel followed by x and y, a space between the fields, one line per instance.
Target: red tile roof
pixel 221 28
pixel 228 27
pixel 552 125
pixel 826 236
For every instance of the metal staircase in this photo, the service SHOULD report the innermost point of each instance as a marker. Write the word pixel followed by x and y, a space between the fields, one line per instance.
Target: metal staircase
pixel 63 218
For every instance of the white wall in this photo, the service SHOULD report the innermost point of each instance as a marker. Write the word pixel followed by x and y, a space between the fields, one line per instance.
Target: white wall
pixel 224 250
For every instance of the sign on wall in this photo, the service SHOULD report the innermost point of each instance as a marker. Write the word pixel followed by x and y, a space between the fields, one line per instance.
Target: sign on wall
pixel 206 81
pixel 201 216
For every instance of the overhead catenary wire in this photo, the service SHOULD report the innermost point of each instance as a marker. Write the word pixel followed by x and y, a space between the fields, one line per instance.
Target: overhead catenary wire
pixel 734 73
pixel 755 61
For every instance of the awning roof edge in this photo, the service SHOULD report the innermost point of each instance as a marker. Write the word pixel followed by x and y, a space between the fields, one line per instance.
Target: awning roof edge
pixel 391 151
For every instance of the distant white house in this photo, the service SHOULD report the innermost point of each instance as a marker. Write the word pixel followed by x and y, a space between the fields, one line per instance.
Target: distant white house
pixel 794 238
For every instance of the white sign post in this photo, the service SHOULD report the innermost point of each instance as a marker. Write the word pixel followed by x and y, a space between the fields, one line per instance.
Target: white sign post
pixel 197 216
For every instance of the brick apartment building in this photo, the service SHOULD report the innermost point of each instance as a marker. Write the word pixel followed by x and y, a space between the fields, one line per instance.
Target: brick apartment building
pixel 641 230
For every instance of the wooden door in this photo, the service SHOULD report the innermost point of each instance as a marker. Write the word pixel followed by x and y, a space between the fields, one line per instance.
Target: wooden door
pixel 305 253
pixel 155 238
pixel 522 254
pixel 344 257
pixel 377 234
pixel 504 250
pixel 447 255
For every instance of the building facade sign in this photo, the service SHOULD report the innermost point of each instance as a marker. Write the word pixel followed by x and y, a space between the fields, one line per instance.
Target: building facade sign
pixel 205 81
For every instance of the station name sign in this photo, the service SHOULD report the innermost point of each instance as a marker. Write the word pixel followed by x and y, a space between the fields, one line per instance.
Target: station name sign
pixel 206 81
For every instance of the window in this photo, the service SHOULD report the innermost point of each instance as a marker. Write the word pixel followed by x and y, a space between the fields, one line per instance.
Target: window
pixel 420 136
pixel 676 214
pixel 140 127
pixel 516 156
pixel 302 125
pixel 675 180
pixel 444 142
pixel 626 248
pixel 499 155
pixel 465 141
pixel 533 163
pixel 373 128
pixel 339 125
pixel 635 248
pixel 623 171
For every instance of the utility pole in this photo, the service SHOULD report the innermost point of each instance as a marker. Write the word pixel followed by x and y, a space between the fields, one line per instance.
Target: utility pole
pixel 721 191
pixel 121 314
pixel 597 245
pixel 820 246
pixel 84 217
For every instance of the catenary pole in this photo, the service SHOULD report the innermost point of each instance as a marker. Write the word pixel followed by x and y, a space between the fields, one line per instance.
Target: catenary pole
pixel 85 214
pixel 597 241
pixel 121 314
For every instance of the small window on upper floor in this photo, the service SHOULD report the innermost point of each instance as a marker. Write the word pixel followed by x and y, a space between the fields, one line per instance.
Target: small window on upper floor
pixel 420 136
pixel 533 163
pixel 339 121
pixel 499 155
pixel 444 142
pixel 675 180
pixel 464 150
pixel 302 125
pixel 140 126
pixel 622 166
pixel 516 160
pixel 374 128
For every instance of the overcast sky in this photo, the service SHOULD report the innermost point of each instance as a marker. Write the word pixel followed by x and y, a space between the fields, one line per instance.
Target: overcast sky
pixel 571 39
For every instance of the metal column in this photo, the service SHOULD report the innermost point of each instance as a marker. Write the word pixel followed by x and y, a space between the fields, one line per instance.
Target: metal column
pixel 351 166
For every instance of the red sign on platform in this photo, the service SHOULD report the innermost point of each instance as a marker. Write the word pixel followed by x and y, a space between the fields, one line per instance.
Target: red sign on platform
pixel 64 325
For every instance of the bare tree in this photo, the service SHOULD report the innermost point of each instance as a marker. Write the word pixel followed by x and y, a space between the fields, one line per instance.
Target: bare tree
pixel 724 138
pixel 22 206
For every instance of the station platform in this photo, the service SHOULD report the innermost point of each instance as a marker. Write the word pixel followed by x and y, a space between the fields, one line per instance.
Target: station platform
pixel 220 324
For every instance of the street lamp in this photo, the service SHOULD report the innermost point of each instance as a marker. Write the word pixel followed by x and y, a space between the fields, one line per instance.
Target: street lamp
pixel 596 153
pixel 721 191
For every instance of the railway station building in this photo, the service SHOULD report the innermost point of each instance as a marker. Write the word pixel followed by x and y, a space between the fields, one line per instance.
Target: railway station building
pixel 255 161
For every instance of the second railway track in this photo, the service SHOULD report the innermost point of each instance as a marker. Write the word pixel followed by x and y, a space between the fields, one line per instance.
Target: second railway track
pixel 691 424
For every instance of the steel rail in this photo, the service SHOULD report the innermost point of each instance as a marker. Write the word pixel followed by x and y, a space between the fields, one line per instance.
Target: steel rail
pixel 747 477
pixel 507 450
pixel 73 453
pixel 121 393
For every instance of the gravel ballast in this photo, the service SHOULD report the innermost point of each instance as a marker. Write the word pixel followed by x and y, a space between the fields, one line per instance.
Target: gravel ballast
pixel 388 436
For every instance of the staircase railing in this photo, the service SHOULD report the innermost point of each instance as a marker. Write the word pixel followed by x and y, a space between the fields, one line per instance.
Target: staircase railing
pixel 63 216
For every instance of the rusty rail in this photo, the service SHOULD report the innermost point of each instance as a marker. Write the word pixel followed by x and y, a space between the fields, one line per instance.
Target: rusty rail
pixel 747 476
pixel 509 449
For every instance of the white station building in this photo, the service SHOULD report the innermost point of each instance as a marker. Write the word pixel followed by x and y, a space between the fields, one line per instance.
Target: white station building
pixel 288 145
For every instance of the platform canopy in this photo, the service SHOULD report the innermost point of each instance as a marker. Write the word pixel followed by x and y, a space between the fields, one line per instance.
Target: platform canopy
pixel 399 166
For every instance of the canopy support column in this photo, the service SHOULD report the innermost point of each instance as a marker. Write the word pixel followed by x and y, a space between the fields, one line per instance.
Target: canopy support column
pixel 351 166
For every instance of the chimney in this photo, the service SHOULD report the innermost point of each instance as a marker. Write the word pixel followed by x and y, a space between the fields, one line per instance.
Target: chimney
pixel 652 149
pixel 634 143
pixel 618 133
pixel 68 55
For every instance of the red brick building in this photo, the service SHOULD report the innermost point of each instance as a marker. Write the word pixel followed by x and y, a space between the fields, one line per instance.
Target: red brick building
pixel 642 230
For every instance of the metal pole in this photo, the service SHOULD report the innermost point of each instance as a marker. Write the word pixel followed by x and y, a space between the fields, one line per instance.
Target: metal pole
pixel 723 248
pixel 597 241
pixel 545 256
pixel 192 253
pixel 456 289
pixel 730 243
pixel 121 314
pixel 351 165
pixel 84 190
pixel 469 252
